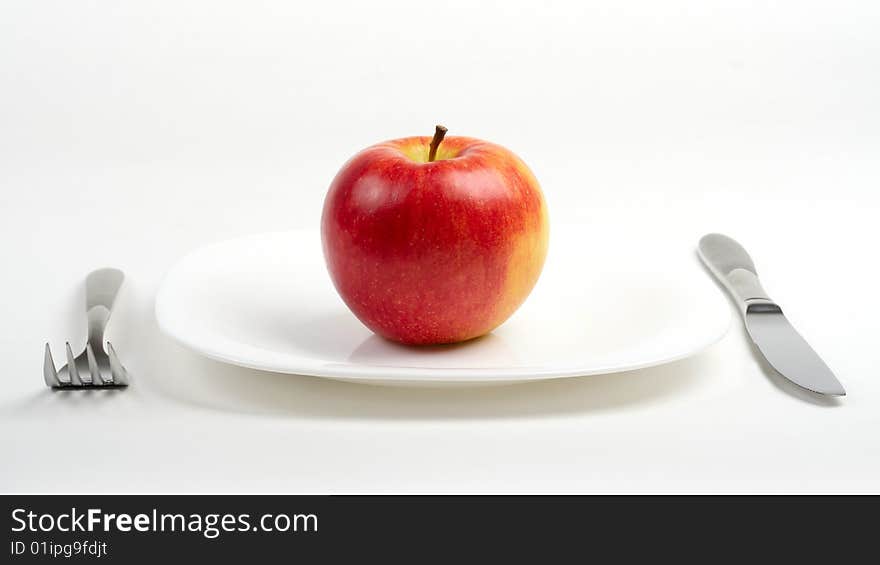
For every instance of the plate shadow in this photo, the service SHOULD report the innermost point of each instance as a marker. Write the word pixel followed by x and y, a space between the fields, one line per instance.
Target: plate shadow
pixel 216 386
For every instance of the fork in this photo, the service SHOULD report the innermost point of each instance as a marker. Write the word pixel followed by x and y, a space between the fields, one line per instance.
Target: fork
pixel 95 367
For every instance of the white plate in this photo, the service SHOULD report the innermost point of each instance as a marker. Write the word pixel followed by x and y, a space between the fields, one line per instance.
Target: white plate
pixel 266 302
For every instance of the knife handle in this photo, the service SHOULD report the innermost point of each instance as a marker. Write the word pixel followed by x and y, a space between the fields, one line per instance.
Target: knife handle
pixel 731 265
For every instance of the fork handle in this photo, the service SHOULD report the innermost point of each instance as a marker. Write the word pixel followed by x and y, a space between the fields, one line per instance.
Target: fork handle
pixel 102 287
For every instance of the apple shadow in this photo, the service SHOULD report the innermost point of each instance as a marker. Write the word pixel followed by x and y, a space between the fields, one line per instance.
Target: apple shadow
pixel 377 351
pixel 781 383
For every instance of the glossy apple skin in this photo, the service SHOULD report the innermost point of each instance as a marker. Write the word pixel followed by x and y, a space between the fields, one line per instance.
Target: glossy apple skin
pixel 434 252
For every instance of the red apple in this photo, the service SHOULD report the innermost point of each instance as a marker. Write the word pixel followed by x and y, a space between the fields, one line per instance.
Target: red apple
pixel 433 240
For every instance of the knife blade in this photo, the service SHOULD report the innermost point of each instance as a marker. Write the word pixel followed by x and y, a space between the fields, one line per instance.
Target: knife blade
pixel 780 344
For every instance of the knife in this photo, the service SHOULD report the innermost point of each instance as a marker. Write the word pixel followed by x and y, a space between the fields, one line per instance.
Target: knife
pixel 783 347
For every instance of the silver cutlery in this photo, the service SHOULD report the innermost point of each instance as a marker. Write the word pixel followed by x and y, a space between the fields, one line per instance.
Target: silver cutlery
pixel 783 347
pixel 95 367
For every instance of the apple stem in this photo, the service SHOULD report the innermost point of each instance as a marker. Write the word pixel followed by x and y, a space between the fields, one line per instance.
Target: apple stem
pixel 439 133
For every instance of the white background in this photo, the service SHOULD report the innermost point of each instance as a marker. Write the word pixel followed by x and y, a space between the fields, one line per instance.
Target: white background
pixel 131 133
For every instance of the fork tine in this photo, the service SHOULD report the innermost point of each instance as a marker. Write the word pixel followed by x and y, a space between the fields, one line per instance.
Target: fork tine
pixel 71 367
pixel 50 375
pixel 120 375
pixel 93 366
